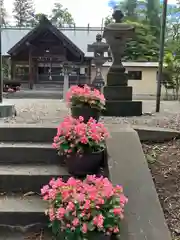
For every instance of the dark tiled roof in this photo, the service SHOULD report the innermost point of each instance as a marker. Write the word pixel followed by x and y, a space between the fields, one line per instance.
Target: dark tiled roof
pixel 81 37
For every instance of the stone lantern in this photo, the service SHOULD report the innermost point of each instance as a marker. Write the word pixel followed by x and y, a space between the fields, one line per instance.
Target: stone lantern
pixel 117 92
pixel 98 48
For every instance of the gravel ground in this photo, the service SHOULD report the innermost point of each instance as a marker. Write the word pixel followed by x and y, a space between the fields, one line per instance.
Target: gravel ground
pixel 164 163
pixel 51 112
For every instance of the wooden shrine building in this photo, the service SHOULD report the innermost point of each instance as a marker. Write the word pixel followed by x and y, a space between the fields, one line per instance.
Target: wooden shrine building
pixel 36 56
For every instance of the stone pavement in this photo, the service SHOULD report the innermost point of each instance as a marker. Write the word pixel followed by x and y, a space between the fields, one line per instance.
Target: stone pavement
pixel 57 93
pixel 51 112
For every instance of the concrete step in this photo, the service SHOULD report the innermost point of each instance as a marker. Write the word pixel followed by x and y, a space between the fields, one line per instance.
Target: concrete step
pixel 24 153
pixel 42 94
pixel 45 134
pixel 26 133
pixel 16 210
pixel 10 233
pixel 28 178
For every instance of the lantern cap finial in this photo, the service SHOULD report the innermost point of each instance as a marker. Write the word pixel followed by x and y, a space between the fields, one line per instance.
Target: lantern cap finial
pixel 118 15
pixel 98 37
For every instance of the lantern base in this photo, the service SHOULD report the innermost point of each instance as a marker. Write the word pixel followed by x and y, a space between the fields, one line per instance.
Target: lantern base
pixel 123 108
pixel 119 93
pixel 7 110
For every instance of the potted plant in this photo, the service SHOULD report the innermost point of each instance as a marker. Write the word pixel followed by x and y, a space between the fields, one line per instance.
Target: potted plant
pixel 82 144
pixel 85 101
pixel 91 209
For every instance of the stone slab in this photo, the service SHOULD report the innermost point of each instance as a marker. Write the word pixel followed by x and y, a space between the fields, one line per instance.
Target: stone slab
pixel 41 133
pixel 22 211
pixel 118 93
pixel 156 134
pixel 26 133
pixel 34 233
pixel 19 153
pixel 123 108
pixel 117 79
pixel 7 110
pixel 144 219
pixel 25 178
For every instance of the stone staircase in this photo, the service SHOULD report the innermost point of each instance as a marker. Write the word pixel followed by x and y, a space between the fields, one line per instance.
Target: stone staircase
pixel 27 162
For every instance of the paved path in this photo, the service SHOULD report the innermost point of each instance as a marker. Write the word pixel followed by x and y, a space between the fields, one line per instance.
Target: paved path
pixel 57 93
pixel 48 112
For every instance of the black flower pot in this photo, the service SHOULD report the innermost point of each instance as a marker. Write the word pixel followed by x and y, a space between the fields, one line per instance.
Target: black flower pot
pixel 102 236
pixel 86 164
pixel 86 112
pixel 99 236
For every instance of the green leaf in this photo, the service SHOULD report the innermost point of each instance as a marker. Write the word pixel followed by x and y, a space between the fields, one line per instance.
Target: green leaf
pixel 65 146
pixel 55 227
pixel 91 226
pixel 150 159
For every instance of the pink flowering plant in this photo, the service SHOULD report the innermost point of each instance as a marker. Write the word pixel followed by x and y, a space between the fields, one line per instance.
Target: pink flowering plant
pixel 79 209
pixel 75 136
pixel 79 96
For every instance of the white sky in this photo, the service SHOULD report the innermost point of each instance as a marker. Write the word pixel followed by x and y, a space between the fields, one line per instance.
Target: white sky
pixel 83 11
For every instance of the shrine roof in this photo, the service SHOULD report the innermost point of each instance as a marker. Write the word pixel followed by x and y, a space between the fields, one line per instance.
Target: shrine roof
pixel 81 37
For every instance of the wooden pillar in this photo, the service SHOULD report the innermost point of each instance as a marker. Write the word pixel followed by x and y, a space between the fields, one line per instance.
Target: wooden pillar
pixel 35 72
pixel 31 80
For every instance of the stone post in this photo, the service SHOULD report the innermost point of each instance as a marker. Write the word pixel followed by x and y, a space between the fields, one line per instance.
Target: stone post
pixel 117 92
pixel 98 48
pixel 9 68
pixel 67 67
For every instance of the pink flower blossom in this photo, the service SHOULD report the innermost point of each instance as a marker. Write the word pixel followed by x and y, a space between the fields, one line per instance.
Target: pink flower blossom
pixel 98 221
pixel 70 206
pixel 51 214
pixel 54 145
pixel 80 95
pixel 116 230
pixel 87 204
pixel 56 139
pixel 52 194
pixel 75 222
pixel 11 90
pixel 123 199
pixel 78 204
pixel 81 119
pixel 84 228
pixel 60 213
pixel 45 189
pixel 117 211
pixel 74 136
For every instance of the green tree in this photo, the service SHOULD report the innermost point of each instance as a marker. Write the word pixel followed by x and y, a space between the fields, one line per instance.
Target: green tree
pixel 153 11
pixel 23 12
pixel 171 71
pixel 129 8
pixel 37 17
pixel 143 46
pixel 4 14
pixel 61 16
pixel 173 31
